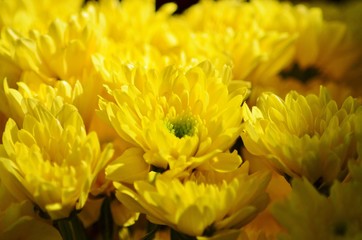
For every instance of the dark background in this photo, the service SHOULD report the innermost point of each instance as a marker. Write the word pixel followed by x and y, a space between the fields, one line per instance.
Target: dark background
pixel 184 4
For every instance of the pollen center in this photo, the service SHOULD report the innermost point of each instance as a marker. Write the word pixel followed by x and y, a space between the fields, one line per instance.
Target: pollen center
pixel 184 125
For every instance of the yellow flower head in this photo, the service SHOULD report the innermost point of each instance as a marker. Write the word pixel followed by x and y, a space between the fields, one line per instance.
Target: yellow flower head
pixel 50 159
pixel 136 33
pixel 63 52
pixel 19 221
pixel 24 15
pixel 307 214
pixel 324 50
pixel 203 204
pixel 304 136
pixel 13 103
pixel 179 118
pixel 135 20
pixel 226 32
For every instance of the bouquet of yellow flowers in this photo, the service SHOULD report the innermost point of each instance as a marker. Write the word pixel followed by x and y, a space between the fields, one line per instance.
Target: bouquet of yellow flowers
pixel 231 120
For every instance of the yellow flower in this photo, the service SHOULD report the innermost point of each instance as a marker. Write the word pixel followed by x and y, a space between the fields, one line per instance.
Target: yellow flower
pixel 19 221
pixel 50 159
pixel 24 15
pixel 82 96
pixel 349 13
pixel 352 16
pixel 226 32
pixel 136 33
pixel 125 19
pixel 140 35
pixel 307 214
pixel 9 67
pixel 63 52
pixel 180 119
pixel 203 204
pixel 13 100
pixel 324 50
pixel 285 46
pixel 304 136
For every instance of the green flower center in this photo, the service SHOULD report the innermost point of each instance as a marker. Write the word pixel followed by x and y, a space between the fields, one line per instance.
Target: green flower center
pixel 301 74
pixel 184 125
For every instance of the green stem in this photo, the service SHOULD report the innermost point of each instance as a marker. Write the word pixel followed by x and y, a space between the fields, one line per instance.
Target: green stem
pixel 71 228
pixel 106 219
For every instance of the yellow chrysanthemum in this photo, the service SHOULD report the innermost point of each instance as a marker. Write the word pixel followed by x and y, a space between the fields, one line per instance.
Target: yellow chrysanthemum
pixel 284 47
pixel 226 32
pixel 25 15
pixel 136 33
pixel 19 221
pixel 82 96
pixel 63 52
pixel 349 13
pixel 126 18
pixel 203 204
pixel 50 159
pixel 307 214
pixel 13 104
pixel 324 50
pixel 178 119
pixel 304 136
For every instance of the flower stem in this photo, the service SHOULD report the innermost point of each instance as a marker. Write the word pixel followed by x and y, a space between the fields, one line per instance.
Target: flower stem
pixel 71 228
pixel 106 219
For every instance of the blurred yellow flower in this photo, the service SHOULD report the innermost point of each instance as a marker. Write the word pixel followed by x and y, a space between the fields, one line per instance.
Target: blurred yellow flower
pixel 226 33
pixel 50 159
pixel 126 18
pixel 265 224
pixel 63 52
pixel 204 204
pixel 346 12
pixel 19 221
pixel 307 214
pixel 324 50
pixel 136 33
pixel 25 15
pixel 304 136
